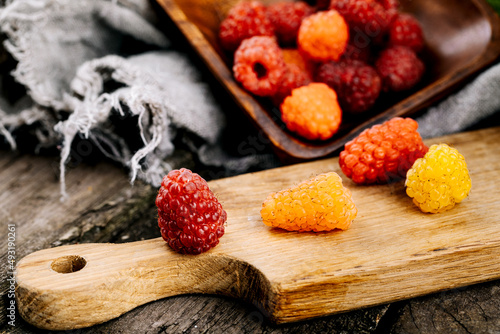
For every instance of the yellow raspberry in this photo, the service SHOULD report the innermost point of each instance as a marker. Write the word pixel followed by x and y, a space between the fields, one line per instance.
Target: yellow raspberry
pixel 312 111
pixel 323 36
pixel 439 180
pixel 319 204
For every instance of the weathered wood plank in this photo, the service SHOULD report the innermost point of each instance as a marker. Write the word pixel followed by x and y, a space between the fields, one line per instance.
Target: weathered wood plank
pixel 194 314
pixel 467 310
pixel 101 203
pixel 207 314
pixel 122 216
pixel 392 252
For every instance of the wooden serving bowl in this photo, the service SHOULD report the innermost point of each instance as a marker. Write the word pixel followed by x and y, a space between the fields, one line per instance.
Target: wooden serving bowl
pixel 462 38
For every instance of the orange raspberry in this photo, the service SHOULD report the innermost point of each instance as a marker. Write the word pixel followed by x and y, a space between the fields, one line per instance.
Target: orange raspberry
pixel 323 36
pixel 383 153
pixel 293 56
pixel 312 111
pixel 319 204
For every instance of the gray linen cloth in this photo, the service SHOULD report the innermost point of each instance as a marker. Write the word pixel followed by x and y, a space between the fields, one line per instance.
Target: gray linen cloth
pixel 475 102
pixel 78 80
pixel 69 53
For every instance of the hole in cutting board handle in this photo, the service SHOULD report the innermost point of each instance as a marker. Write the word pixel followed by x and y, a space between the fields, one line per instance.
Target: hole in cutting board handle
pixel 68 264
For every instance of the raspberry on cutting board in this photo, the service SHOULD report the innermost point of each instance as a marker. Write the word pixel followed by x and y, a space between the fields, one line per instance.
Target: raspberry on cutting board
pixel 312 111
pixel 383 153
pixel 190 217
pixel 439 180
pixel 319 204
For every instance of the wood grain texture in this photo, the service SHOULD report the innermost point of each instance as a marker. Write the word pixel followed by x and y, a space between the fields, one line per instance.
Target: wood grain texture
pixel 392 252
pixel 461 311
pixel 126 214
pixel 101 203
pixel 462 37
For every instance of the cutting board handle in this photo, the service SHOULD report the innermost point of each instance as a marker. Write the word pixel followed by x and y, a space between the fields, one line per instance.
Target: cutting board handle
pixel 77 286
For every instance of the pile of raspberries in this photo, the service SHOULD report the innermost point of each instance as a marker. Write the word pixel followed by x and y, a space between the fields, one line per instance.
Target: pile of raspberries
pixel 359 48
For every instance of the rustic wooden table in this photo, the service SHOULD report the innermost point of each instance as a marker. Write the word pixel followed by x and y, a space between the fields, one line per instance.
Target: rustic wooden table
pixel 104 207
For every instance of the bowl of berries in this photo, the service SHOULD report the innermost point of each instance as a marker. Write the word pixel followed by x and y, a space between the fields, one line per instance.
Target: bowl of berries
pixel 313 75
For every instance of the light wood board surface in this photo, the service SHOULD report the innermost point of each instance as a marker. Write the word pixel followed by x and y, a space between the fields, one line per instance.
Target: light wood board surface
pixel 391 252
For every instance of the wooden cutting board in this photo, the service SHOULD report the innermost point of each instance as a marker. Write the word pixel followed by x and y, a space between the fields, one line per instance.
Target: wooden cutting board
pixel 391 252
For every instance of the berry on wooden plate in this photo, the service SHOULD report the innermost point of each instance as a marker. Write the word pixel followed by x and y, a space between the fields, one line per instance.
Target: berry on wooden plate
pixel 366 17
pixel 357 84
pixel 312 111
pixel 259 65
pixel 246 19
pixel 190 217
pixel 293 56
pixel 323 36
pixel 406 31
pixel 400 68
pixel 294 77
pixel 286 18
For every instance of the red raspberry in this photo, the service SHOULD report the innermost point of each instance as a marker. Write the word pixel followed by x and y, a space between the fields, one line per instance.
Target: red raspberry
pixel 356 83
pixel 399 68
pixel 383 153
pixel 389 4
pixel 406 31
pixel 297 73
pixel 365 17
pixel 392 8
pixel 357 50
pixel 312 111
pixel 259 65
pixel 244 20
pixel 319 4
pixel 190 217
pixel 286 18
pixel 323 36
pixel 294 77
